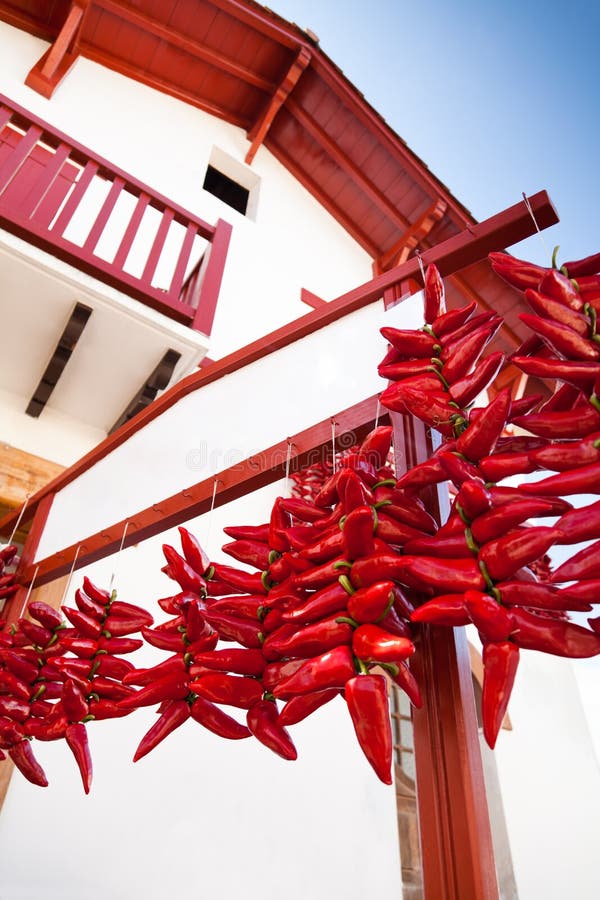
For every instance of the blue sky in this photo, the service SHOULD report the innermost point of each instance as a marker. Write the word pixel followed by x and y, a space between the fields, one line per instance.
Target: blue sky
pixel 497 99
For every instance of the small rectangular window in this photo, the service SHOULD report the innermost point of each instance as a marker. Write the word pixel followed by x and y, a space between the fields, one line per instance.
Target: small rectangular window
pixel 226 189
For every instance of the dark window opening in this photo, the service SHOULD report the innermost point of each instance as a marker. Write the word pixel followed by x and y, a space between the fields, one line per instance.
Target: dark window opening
pixel 226 189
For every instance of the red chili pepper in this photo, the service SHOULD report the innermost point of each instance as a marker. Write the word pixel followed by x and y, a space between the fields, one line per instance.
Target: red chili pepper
pixel 539 596
pixel 581 480
pixel 244 606
pixel 109 689
pixel 473 499
pixel 311 640
pixel 556 285
pixel 73 702
pixel 76 736
pixel 300 509
pixel 581 524
pixel 479 439
pixel 233 690
pixel 298 708
pixel 193 552
pixel 433 294
pixel 46 615
pixel 366 696
pixel 428 472
pixel 467 352
pixel 371 643
pixel 562 339
pixel 164 640
pixel 249 582
pixel 217 721
pixel 328 546
pixel 358 540
pixel 276 672
pixel 500 662
pixel 446 609
pixel 583 566
pixel 117 645
pixel 352 491
pixel 454 546
pixel 452 341
pixel 433 409
pixel 36 634
pixel 376 446
pixel 539 632
pixel 23 758
pixel 121 610
pixel 232 628
pixel 579 373
pixel 85 625
pixel 107 709
pixel 13 708
pixel 175 715
pixel 263 722
pixel 319 576
pixel 453 319
pixel 242 662
pixel 328 600
pixel 549 308
pixel 429 574
pixel 404 678
pixel 503 465
pixel 491 619
pixel 521 407
pixel 24 667
pixel 89 607
pixel 170 687
pixel 10 684
pixel 99 595
pixel 562 456
pixel 119 627
pixel 498 521
pixel 411 511
pixel 247 532
pixel 577 423
pixel 504 556
pixel 518 272
pixel 410 344
pixel 182 572
pixel 589 265
pixel 400 372
pixel 466 389
pixel 251 553
pixel 372 603
pixel 172 666
pixel 328 670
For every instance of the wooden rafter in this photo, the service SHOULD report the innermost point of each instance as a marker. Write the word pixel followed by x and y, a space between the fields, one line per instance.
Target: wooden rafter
pixel 195 48
pixel 311 299
pixel 22 474
pixel 51 68
pixel 259 130
pixel 412 237
pixel 346 164
pixel 60 357
pixel 157 381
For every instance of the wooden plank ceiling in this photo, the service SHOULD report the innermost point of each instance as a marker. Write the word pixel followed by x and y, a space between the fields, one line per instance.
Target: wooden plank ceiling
pixel 240 61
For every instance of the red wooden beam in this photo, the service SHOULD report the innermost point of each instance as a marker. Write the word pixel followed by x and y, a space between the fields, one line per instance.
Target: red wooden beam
pixel 348 165
pixel 412 237
pixel 163 32
pixel 311 299
pixel 240 479
pixel 260 128
pixel 502 230
pixel 51 68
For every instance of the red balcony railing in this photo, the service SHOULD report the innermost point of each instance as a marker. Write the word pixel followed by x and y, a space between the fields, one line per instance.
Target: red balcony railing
pixel 58 195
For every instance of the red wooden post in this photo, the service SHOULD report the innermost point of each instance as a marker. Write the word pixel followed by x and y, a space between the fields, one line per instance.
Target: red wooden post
pixel 456 839
pixel 16 159
pixel 14 608
pixel 210 277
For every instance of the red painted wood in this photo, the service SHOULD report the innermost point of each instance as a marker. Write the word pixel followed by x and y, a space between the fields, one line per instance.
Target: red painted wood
pixel 16 159
pixel 5 116
pixel 234 482
pixel 131 231
pixel 183 260
pixel 210 277
pixel 14 607
pixel 49 71
pixel 89 172
pixel 311 299
pixel 504 229
pixel 104 215
pixel 157 247
pixel 42 187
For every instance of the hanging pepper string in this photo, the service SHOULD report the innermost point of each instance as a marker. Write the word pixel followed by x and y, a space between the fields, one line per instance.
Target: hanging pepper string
pixel 210 512
pixel 20 516
pixel 537 227
pixel 29 590
pixel 288 459
pixel 377 411
pixel 112 577
pixel 68 584
pixel 420 261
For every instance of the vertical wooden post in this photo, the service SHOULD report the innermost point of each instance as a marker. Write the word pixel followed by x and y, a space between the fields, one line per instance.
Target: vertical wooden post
pixel 456 840
pixel 14 608
pixel 210 277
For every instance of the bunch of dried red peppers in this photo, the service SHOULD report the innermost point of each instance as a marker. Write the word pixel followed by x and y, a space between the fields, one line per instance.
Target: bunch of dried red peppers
pixel 342 577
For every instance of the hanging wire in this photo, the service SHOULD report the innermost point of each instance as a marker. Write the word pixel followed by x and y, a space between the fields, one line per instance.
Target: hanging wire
pixel 112 577
pixel 288 459
pixel 210 513
pixel 20 516
pixel 537 227
pixel 333 460
pixel 68 584
pixel 29 590
pixel 377 411
pixel 420 261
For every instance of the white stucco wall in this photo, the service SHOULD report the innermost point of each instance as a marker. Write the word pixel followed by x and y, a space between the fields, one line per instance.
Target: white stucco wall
pixel 290 243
